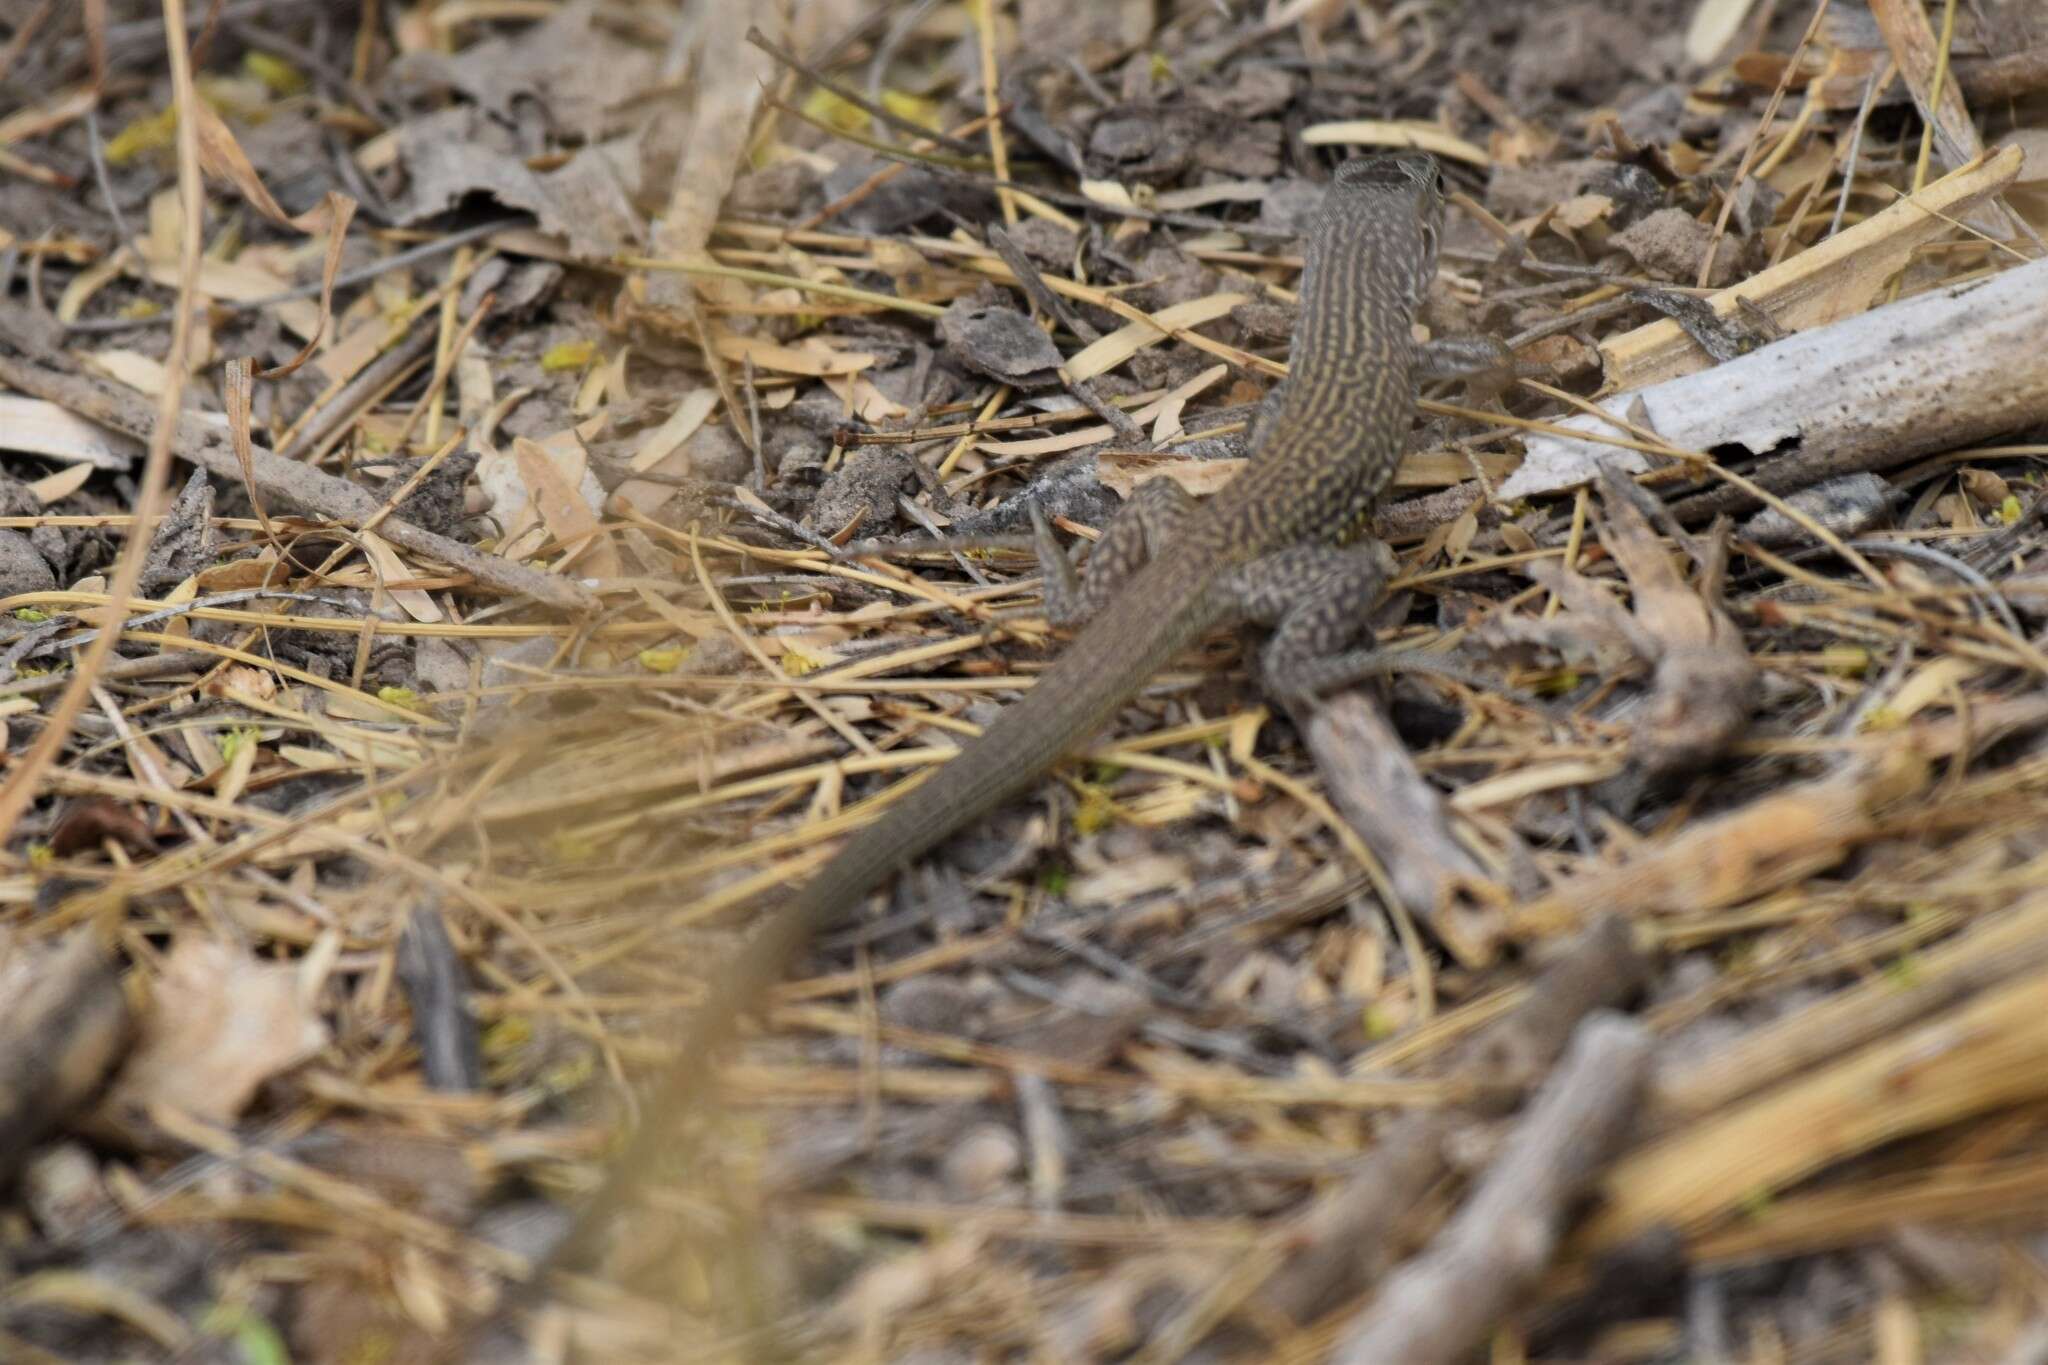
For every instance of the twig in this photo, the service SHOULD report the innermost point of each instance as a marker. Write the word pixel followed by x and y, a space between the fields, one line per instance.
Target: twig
pixel 1927 554
pixel 360 275
pixel 288 482
pixel 1372 779
pixel 1033 285
pixel 223 599
pixel 881 113
pixel 984 12
pixel 99 171
pixel 795 530
pixel 881 177
pixel 121 670
pixel 1351 1236
pixel 1447 1302
pixel 1991 953
pixel 1878 80
pixel 314 428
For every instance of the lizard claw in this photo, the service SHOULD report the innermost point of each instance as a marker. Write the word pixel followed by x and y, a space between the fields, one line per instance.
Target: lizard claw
pixel 1041 525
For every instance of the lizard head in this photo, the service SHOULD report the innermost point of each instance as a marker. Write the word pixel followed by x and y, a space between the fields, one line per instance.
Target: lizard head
pixel 1398 198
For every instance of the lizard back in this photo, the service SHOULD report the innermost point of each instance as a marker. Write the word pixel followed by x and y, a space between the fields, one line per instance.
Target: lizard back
pixel 1342 416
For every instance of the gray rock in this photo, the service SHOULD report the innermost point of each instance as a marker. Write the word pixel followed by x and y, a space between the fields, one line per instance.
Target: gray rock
pixel 22 568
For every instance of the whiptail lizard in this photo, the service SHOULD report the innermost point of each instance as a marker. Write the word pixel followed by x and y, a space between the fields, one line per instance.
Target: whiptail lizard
pixel 1276 546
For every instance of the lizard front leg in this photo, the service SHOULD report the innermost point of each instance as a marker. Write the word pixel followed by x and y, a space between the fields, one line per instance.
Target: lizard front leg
pixel 1484 363
pixel 1151 518
pixel 1317 600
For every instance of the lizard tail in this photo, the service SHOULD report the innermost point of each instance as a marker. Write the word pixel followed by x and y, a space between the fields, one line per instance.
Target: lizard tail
pixel 1155 617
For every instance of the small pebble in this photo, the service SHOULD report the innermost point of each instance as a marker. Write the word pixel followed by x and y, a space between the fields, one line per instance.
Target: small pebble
pixel 982 1162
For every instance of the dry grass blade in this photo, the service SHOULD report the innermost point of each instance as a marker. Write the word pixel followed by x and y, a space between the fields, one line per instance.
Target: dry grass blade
pixel 1973 1059
pixel 20 786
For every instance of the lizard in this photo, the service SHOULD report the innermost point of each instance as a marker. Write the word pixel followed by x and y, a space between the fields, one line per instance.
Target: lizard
pixel 1281 546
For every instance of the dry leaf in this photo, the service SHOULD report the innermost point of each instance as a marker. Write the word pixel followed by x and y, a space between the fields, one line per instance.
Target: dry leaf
pixel 219 1024
pixel 661 452
pixel 1714 25
pixel 509 495
pixel 690 412
pixel 90 822
pixel 1106 353
pixel 732 76
pixel 224 157
pixel 1108 193
pixel 233 778
pixel 814 356
pixel 145 374
pixel 414 602
pixel 1078 437
pixel 89 281
pixel 62 484
pixel 257 571
pixel 312 760
pixel 864 400
pixel 1426 137
pixel 1122 473
pixel 35 426
pixel 568 515
pixel 1582 211
pixel 244 681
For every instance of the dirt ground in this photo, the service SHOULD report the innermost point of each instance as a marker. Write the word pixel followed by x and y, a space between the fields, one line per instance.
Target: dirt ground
pixel 495 494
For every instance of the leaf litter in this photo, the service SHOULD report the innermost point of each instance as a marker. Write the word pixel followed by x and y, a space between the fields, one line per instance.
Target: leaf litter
pixel 606 433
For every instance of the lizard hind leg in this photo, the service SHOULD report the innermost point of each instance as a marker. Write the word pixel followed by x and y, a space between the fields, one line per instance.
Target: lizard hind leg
pixel 1147 522
pixel 1318 601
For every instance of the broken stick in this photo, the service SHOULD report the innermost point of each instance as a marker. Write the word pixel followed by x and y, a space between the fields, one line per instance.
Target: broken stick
pixel 44 372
